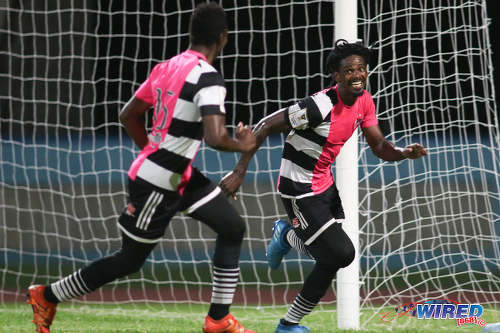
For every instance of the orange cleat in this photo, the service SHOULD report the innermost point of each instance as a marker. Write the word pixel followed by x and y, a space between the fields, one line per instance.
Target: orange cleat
pixel 43 310
pixel 228 324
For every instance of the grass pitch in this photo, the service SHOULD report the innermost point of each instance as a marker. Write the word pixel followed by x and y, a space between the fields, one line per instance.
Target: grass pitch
pixel 186 318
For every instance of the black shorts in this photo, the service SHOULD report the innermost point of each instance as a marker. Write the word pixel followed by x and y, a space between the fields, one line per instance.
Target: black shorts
pixel 310 216
pixel 149 208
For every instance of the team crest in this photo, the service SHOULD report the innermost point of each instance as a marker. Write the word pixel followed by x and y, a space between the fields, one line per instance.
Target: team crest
pixel 295 222
pixel 130 210
pixel 358 122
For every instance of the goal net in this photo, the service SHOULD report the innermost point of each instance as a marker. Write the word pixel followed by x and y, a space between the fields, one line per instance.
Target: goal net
pixel 428 228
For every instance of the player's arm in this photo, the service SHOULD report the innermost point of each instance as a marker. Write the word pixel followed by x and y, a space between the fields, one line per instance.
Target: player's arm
pixel 216 135
pixel 274 123
pixel 385 150
pixel 132 117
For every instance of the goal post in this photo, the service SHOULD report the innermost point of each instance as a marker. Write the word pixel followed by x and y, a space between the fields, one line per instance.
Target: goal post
pixel 346 179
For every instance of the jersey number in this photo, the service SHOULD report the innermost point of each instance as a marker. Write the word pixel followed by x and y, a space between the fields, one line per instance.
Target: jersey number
pixel 161 112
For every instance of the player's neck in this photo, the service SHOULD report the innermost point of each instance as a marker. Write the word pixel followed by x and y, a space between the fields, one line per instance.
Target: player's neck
pixel 210 52
pixel 346 97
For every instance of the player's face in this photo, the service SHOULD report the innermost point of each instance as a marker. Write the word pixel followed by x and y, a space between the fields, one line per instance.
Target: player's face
pixel 352 75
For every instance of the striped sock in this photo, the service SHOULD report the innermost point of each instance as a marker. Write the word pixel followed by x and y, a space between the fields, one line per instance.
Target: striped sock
pixel 300 307
pixel 224 284
pixel 70 287
pixel 223 288
pixel 296 242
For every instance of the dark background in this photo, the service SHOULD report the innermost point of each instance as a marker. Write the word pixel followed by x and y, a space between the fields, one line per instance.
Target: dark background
pixel 94 57
pixel 249 100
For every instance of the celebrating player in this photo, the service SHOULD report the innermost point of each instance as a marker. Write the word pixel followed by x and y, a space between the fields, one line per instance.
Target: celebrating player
pixel 188 95
pixel 319 126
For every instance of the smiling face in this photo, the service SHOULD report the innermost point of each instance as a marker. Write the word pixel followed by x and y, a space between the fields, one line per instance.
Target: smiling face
pixel 351 78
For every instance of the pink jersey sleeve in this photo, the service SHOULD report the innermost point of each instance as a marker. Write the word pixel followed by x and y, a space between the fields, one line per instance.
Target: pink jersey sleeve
pixel 370 118
pixel 145 91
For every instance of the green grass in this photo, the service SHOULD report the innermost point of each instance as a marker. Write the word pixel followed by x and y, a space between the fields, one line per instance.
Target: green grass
pixel 188 318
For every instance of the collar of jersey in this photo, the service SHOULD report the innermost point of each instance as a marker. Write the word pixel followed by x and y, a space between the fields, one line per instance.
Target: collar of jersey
pixel 198 54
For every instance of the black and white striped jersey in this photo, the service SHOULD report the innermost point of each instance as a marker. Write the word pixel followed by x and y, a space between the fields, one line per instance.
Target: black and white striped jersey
pixel 182 90
pixel 321 124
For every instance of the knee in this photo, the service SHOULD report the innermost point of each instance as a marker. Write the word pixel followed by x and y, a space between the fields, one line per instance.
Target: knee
pixel 240 230
pixel 346 255
pixel 344 252
pixel 337 258
pixel 234 231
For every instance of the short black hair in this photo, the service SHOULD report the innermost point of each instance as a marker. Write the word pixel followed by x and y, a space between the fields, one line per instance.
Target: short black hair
pixel 207 23
pixel 342 50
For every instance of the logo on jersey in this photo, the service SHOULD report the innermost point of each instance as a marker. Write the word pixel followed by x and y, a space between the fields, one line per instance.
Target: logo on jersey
pixel 358 122
pixel 130 210
pixel 297 116
pixel 295 222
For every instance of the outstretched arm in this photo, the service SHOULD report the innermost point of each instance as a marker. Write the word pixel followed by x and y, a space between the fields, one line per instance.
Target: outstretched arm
pixel 274 123
pixel 386 150
pixel 217 137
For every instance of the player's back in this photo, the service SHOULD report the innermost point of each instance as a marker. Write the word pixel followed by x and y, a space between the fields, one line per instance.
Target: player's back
pixel 182 90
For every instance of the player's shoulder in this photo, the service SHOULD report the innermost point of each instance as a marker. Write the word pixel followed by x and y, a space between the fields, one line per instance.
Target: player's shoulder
pixel 328 96
pixel 162 65
pixel 366 102
pixel 366 97
pixel 366 94
pixel 205 67
pixel 208 75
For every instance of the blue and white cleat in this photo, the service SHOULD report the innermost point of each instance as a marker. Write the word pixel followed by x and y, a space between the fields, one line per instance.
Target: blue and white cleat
pixel 277 247
pixel 291 329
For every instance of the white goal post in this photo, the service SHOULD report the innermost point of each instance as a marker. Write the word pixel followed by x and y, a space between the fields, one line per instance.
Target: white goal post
pixel 346 178
pixel 427 229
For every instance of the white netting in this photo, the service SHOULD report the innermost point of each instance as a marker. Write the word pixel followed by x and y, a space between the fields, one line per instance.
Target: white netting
pixel 427 226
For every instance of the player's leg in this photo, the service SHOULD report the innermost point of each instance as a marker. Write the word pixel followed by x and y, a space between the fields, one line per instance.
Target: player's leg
pixel 316 227
pixel 129 259
pixel 205 202
pixel 332 250
pixel 136 246
pixel 44 298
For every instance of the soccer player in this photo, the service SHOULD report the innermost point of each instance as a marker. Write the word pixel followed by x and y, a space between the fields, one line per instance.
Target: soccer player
pixel 188 95
pixel 318 127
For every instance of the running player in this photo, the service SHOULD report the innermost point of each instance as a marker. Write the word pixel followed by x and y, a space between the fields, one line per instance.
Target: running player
pixel 188 95
pixel 318 127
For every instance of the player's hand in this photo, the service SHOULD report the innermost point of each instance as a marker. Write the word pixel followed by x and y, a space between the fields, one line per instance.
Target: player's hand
pixel 230 184
pixel 246 138
pixel 414 151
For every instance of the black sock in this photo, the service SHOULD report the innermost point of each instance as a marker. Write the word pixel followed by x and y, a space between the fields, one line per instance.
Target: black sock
pixel 287 323
pixel 218 311
pixel 49 295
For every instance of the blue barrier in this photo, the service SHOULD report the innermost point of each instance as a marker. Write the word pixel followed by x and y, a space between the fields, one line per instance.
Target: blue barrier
pixel 99 160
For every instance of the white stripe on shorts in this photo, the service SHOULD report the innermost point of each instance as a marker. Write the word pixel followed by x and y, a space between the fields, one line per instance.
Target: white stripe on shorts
pixel 320 230
pixel 148 210
pixel 136 238
pixel 203 201
pixel 147 217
